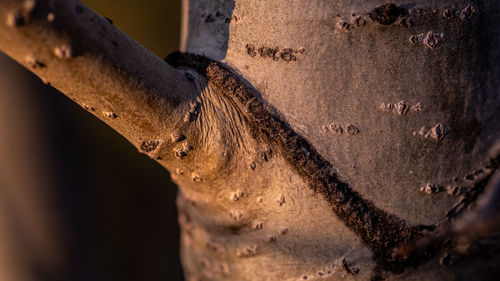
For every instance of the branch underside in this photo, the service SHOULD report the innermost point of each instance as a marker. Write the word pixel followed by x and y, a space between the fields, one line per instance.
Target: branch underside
pixel 388 236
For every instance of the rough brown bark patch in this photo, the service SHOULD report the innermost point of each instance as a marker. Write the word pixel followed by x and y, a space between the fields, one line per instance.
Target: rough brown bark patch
pixel 387 14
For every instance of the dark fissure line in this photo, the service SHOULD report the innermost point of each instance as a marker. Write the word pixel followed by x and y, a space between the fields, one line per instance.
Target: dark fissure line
pixel 381 232
pixel 472 195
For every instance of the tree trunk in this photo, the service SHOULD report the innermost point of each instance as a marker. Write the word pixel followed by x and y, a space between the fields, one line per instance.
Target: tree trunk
pixel 347 78
pixel 310 140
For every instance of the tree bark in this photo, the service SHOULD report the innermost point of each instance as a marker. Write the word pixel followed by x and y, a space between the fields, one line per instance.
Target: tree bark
pixel 309 140
pixel 101 68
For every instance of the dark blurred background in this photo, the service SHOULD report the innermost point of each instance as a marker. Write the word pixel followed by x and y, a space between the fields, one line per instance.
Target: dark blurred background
pixel 77 201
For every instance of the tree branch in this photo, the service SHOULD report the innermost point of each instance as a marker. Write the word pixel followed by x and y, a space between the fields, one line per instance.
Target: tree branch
pixel 88 59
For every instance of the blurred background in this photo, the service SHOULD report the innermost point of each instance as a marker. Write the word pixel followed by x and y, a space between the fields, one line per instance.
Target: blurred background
pixel 77 202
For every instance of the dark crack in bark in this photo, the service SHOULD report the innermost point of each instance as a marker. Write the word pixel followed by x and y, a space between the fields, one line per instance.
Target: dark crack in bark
pixel 473 193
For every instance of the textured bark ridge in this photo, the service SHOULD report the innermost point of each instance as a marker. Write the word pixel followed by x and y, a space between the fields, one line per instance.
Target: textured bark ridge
pixel 389 237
